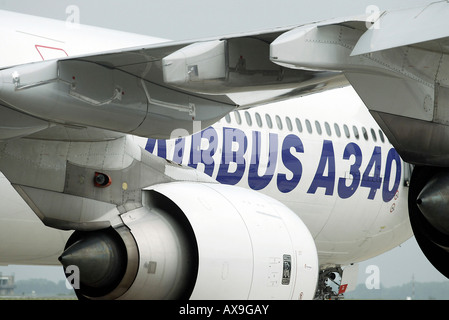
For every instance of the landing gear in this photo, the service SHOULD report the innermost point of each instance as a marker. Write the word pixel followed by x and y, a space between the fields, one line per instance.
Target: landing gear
pixel 328 288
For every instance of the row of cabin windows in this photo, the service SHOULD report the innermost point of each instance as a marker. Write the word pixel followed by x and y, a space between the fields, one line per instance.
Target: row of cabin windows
pixel 308 125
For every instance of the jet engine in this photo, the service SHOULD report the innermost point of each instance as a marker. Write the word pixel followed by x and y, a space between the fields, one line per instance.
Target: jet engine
pixel 197 241
pixel 429 214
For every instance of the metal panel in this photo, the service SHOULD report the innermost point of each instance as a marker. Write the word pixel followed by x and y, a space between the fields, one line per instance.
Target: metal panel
pixel 406 27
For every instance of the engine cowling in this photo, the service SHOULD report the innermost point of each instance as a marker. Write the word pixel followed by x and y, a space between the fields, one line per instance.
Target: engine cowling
pixel 429 214
pixel 198 241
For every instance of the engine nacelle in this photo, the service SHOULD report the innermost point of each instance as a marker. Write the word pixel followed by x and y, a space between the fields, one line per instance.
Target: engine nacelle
pixel 199 241
pixel 429 214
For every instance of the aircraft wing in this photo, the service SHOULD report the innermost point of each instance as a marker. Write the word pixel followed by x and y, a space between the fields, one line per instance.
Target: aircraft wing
pixel 399 67
pixel 396 60
pixel 151 90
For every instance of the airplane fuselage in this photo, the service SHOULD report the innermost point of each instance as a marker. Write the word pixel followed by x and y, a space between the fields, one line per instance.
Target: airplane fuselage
pixel 347 187
pixel 323 156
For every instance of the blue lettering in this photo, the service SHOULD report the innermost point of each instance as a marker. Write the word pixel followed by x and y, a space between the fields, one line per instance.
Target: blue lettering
pixel 233 164
pixel 344 191
pixel 327 160
pixel 229 156
pixel 151 143
pixel 388 194
pixel 255 181
pixel 178 153
pixel 204 156
pixel 195 152
pixel 161 147
pixel 207 155
pixel 373 182
pixel 291 163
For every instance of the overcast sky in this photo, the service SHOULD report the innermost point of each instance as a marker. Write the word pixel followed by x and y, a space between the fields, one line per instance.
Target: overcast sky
pixel 188 19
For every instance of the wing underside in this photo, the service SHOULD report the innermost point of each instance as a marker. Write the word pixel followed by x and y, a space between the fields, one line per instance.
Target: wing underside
pixel 399 66
pixel 150 91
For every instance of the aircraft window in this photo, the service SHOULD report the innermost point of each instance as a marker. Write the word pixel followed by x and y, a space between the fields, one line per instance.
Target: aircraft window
pixel 337 130
pixel 289 123
pixel 249 121
pixel 228 118
pixel 237 117
pixel 318 127
pixel 365 133
pixel 381 135
pixel 347 133
pixel 356 132
pixel 258 119
pixel 279 122
pixel 309 126
pixel 269 122
pixel 373 133
pixel 298 124
pixel 328 129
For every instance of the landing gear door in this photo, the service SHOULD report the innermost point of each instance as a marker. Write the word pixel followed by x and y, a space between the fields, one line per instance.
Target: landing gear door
pixel 349 278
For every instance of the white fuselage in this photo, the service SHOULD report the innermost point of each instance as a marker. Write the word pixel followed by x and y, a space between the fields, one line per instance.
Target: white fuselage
pixel 349 191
